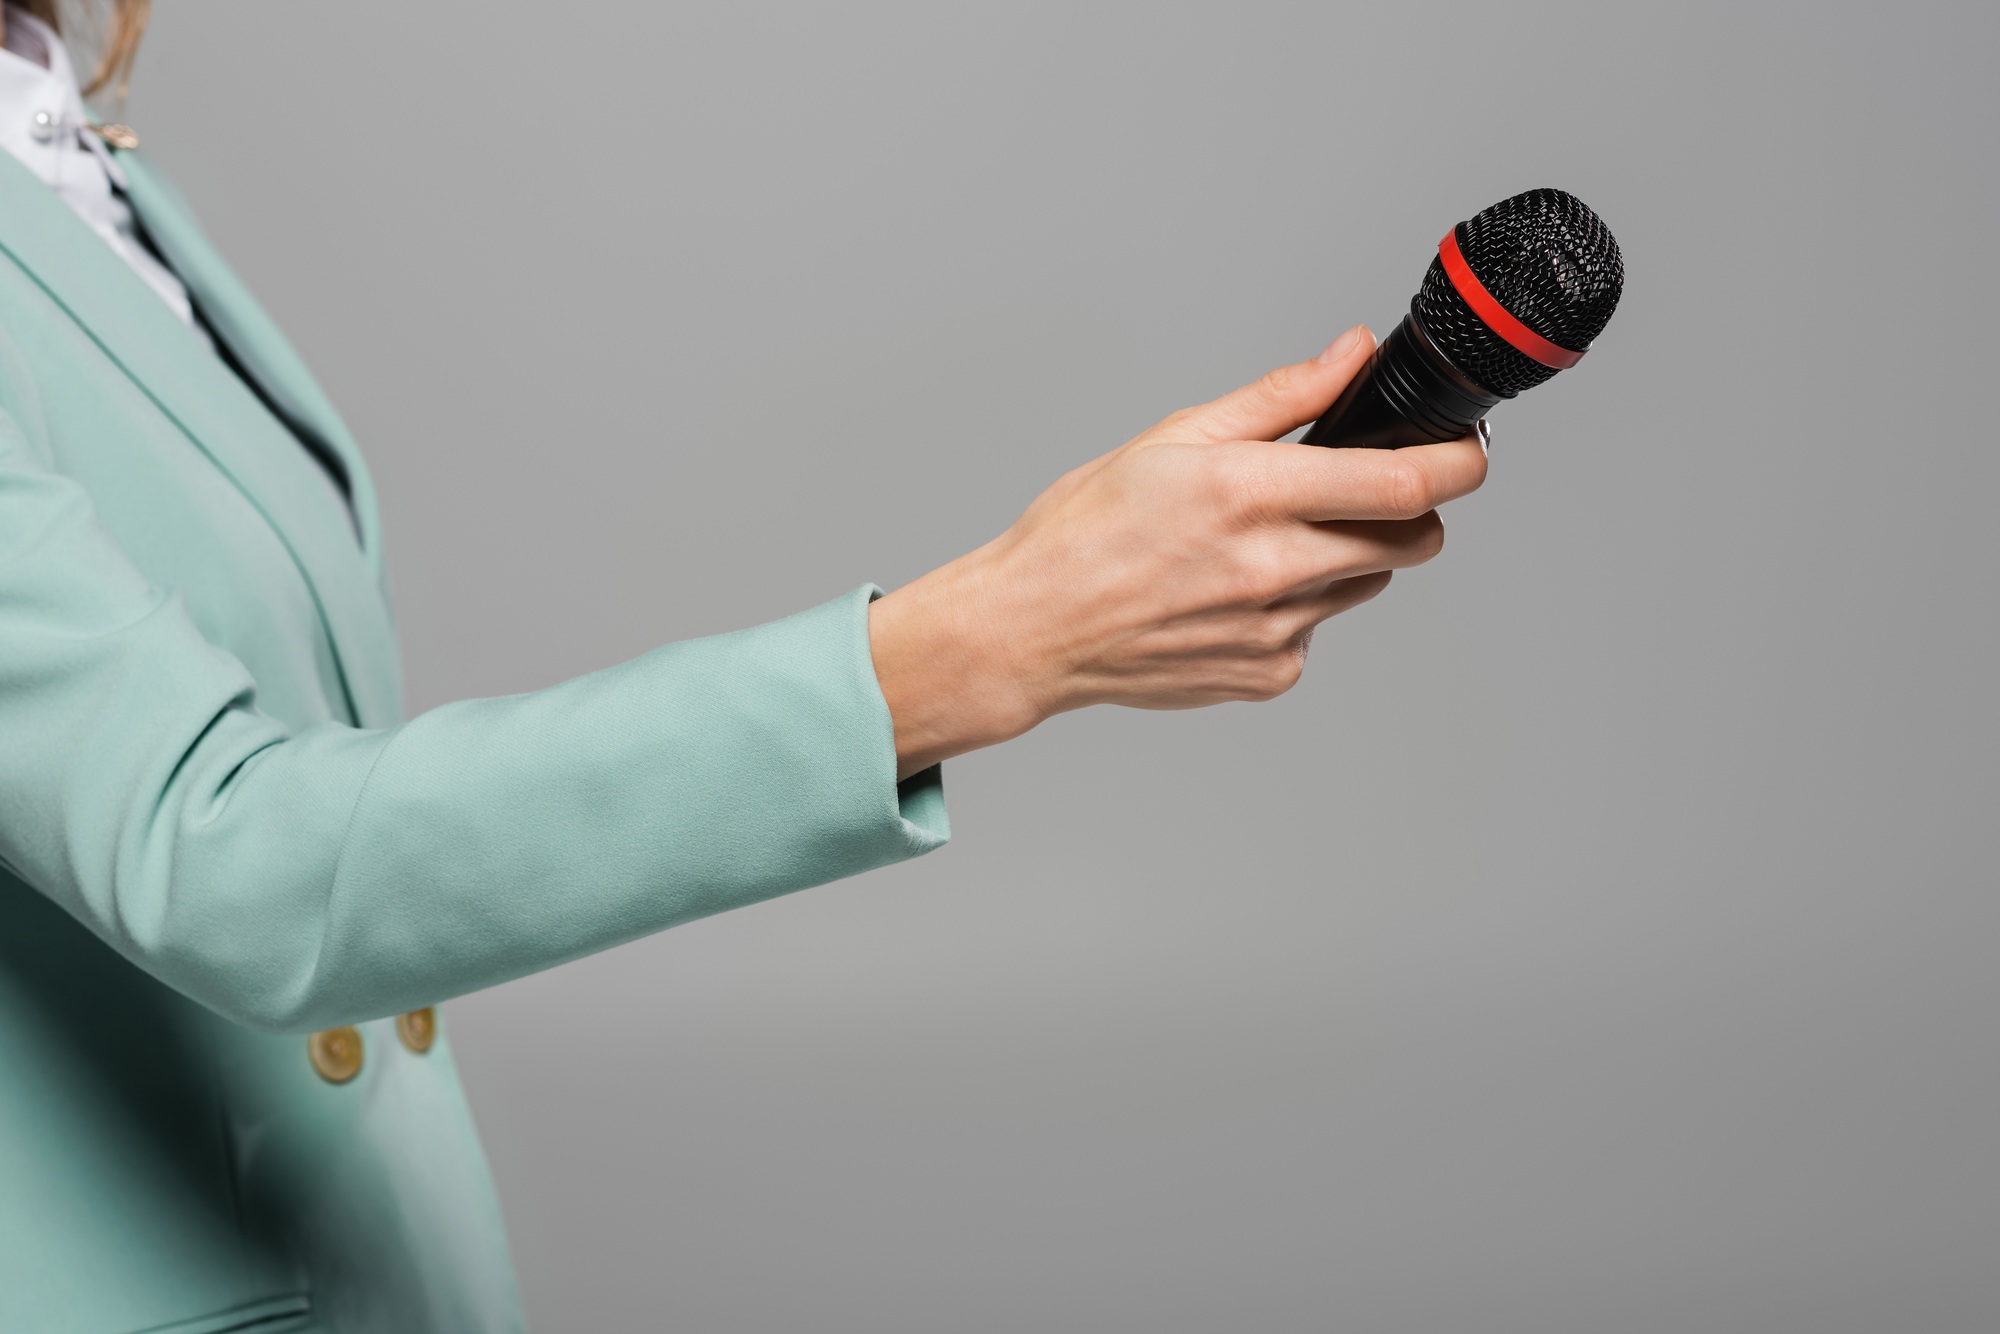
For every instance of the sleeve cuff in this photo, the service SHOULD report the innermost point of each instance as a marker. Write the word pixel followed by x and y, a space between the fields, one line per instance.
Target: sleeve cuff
pixel 920 797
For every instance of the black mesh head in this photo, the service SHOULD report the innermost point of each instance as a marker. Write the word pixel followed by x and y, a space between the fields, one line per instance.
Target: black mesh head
pixel 1550 261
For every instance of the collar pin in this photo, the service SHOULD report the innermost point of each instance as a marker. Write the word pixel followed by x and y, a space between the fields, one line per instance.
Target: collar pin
pixel 117 135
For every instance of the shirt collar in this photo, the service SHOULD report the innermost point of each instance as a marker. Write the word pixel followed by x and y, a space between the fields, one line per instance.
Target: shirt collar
pixel 43 121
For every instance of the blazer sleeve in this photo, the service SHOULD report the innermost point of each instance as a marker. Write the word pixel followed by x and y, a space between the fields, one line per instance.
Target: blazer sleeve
pixel 300 880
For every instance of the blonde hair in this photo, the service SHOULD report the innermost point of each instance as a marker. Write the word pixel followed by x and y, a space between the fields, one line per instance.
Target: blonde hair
pixel 120 28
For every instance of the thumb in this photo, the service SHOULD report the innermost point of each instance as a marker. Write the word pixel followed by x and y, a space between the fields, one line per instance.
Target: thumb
pixel 1284 399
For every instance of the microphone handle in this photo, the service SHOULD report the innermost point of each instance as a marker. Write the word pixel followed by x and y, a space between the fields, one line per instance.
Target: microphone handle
pixel 1409 393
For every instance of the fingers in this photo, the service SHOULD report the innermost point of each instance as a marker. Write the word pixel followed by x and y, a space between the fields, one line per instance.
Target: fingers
pixel 1300 616
pixel 1342 595
pixel 1372 546
pixel 1322 484
pixel 1311 559
pixel 1277 642
pixel 1284 399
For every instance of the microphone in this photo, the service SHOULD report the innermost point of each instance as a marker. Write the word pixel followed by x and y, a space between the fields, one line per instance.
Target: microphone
pixel 1517 292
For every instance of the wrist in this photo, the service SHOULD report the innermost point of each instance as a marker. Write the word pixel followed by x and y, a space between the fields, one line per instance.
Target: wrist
pixel 953 675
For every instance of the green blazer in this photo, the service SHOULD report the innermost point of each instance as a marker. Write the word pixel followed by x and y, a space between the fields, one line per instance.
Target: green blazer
pixel 218 834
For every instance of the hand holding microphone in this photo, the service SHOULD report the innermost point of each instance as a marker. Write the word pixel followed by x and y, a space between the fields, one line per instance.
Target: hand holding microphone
pixel 1186 567
pixel 1190 565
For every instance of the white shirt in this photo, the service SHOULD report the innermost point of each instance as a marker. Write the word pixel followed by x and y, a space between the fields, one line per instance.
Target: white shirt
pixel 43 123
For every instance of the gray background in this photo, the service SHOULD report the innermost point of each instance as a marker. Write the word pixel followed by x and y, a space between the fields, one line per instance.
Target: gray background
pixel 1601 938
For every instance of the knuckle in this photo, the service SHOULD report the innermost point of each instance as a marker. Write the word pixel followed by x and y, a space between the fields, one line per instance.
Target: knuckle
pixel 1261 576
pixel 1277 674
pixel 1245 488
pixel 1406 489
pixel 1279 385
pixel 1273 632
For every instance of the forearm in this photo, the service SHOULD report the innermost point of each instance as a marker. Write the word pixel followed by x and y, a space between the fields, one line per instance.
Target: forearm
pixel 301 879
pixel 702 776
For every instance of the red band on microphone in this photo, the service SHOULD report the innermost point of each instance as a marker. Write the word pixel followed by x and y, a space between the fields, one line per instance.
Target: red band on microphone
pixel 1518 335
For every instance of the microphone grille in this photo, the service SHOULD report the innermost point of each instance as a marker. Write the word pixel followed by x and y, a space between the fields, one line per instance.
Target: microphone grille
pixel 1546 257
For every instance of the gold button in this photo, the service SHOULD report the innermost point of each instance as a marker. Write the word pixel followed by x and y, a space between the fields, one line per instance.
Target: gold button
pixel 418 1029
pixel 335 1053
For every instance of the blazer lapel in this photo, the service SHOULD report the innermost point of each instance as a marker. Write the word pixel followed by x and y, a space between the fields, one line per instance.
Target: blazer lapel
pixel 236 318
pixel 219 414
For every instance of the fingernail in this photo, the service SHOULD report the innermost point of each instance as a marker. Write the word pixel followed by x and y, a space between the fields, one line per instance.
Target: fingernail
pixel 1342 345
pixel 1485 438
